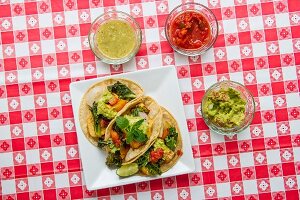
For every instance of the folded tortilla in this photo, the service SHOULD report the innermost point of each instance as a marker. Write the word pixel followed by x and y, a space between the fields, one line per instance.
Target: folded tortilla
pixel 169 121
pixel 94 94
pixel 154 119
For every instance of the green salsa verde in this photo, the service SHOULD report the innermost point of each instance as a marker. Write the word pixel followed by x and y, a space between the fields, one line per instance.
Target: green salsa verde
pixel 225 108
pixel 116 39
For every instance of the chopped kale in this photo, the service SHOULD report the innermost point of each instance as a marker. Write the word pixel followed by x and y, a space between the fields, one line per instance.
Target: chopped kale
pixel 113 160
pixel 96 117
pixel 122 91
pixel 171 139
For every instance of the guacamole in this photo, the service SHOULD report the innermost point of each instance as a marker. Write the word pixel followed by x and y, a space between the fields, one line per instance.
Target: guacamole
pixel 115 39
pixel 105 110
pixel 225 108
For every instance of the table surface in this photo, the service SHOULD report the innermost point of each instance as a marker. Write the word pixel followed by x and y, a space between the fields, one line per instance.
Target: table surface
pixel 44 47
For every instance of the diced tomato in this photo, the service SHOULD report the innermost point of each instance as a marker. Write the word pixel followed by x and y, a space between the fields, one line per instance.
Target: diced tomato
pixel 103 123
pixel 119 105
pixel 179 153
pixel 190 30
pixel 115 138
pixel 156 155
pixel 114 100
pixel 165 133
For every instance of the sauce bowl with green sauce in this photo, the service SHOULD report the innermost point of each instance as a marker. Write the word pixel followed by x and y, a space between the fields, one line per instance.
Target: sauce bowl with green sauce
pixel 228 107
pixel 115 37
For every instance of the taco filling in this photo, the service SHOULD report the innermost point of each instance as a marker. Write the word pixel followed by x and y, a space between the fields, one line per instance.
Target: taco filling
pixel 113 99
pixel 161 153
pixel 130 131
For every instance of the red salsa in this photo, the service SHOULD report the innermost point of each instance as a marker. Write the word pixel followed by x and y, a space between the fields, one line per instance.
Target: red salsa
pixel 190 30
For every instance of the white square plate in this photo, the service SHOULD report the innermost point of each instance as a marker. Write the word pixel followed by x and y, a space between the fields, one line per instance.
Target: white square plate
pixel 162 85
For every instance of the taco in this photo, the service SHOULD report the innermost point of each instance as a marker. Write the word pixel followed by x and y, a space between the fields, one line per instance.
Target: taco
pixel 102 102
pixel 132 132
pixel 162 155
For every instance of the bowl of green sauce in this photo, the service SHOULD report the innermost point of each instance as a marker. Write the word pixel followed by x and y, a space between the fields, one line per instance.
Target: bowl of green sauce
pixel 115 37
pixel 228 107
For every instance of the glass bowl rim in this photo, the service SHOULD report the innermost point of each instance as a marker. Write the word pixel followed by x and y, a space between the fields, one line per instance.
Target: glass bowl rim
pixel 192 52
pixel 129 56
pixel 216 128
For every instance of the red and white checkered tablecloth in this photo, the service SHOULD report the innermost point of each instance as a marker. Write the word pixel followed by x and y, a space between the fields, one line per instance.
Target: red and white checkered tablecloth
pixel 44 47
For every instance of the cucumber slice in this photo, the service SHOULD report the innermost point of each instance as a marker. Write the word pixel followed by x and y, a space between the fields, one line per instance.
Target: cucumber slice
pixel 128 170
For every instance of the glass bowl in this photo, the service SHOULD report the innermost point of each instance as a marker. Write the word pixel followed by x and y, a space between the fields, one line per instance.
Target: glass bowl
pixel 249 107
pixel 114 15
pixel 205 12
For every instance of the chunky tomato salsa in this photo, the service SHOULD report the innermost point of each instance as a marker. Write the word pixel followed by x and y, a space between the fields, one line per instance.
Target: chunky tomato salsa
pixel 190 30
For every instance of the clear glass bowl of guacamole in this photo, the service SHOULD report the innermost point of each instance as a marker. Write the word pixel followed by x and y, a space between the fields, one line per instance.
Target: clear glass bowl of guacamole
pixel 115 37
pixel 228 107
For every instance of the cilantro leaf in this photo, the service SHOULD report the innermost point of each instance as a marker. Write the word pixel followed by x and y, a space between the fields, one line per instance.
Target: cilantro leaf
pixel 134 133
pixel 137 124
pixel 122 122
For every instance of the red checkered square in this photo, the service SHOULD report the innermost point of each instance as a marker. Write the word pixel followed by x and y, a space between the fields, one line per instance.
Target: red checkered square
pixel 33 34
pixel 244 37
pixel 222 67
pixel 156 184
pixel 261 171
pixel 293 5
pixel 30 8
pixel 271 34
pixel 47 168
pixel 281 115
pixel 76 192
pixel 5 11
pixel 235 174
pixel 7 37
pixel 73 165
pixel 18 144
pixel 41 114
pixel 10 64
pixel 241 11
pixel 39 87
pixel 288 169
pixel 36 61
pixel 84 29
pixel 82 4
pixel 88 56
pixel 208 177
pixel 220 42
pixel 59 32
pixel 267 8
pixel 44 141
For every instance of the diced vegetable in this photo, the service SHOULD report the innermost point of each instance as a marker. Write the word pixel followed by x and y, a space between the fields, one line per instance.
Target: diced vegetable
pixel 155 155
pixel 128 170
pixel 119 105
pixel 115 138
pixel 123 151
pixel 103 123
pixel 134 144
pixel 145 170
pixel 165 133
pixel 113 100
